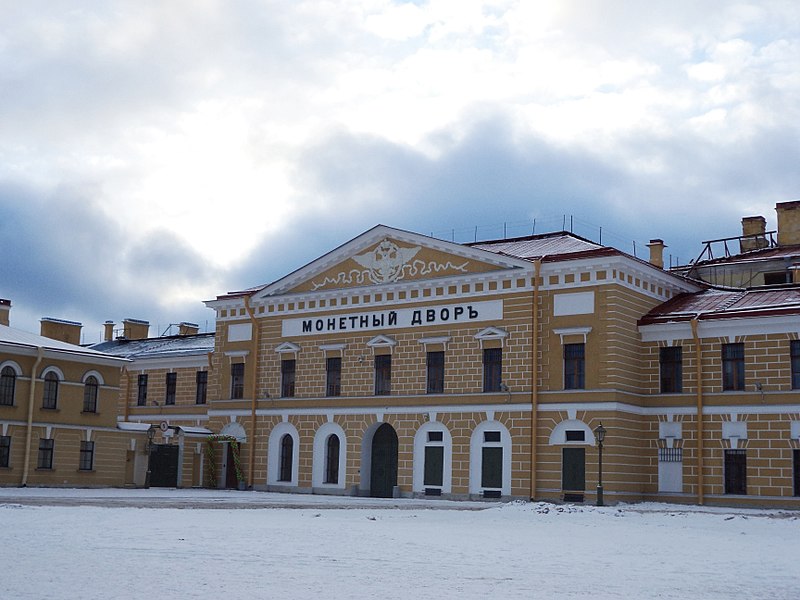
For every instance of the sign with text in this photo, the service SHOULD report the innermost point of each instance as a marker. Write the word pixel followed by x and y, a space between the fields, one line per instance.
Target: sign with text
pixel 444 314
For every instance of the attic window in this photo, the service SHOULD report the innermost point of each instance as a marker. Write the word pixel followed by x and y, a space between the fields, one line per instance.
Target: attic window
pixel 776 278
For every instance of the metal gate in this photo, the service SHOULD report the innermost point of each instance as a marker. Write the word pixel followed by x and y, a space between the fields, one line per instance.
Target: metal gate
pixel 164 465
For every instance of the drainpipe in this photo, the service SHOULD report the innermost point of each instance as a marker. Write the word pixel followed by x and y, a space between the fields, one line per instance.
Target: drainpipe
pixel 254 376
pixel 29 426
pixel 535 373
pixel 127 402
pixel 699 376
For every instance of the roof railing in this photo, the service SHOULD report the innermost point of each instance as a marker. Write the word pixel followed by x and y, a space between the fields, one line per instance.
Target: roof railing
pixel 747 243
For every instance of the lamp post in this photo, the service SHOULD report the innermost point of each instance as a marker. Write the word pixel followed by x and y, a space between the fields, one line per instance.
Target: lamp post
pixel 151 433
pixel 600 434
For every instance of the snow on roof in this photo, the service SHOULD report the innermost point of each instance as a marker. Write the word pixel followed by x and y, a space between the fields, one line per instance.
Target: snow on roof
pixel 538 245
pixel 17 337
pixel 717 303
pixel 170 346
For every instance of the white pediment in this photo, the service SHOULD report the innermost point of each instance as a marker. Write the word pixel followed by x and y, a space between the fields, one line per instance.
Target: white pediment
pixel 383 261
pixel 287 347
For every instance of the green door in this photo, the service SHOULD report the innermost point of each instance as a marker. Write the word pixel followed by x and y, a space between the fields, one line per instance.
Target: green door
pixel 383 472
pixel 573 469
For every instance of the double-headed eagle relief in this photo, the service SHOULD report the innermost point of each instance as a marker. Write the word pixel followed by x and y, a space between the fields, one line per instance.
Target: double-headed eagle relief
pixel 386 263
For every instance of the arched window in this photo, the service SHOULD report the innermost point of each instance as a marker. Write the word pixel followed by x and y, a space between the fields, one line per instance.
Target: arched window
pixel 90 394
pixel 8 382
pixel 287 453
pixel 332 459
pixel 50 395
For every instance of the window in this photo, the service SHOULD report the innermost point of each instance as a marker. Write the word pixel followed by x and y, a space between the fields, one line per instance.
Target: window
pixel 5 450
pixel 332 459
pixel 333 376
pixel 285 466
pixel 172 385
pixel 794 351
pixel 237 381
pixel 141 395
pixel 434 460
pixel 671 362
pixel 435 363
pixel 201 387
pixel 50 396
pixel 735 471
pixel 575 435
pixel 492 460
pixel 287 378
pixel 45 454
pixel 87 456
pixel 383 374
pixel 492 369
pixel 574 366
pixel 733 366
pixel 8 380
pixel 90 394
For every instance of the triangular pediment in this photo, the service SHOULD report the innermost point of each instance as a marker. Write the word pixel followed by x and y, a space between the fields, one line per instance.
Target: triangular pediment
pixel 384 255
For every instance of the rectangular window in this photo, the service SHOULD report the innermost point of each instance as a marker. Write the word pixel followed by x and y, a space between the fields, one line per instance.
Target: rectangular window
pixel 435 436
pixel 383 374
pixel 237 381
pixel 141 396
pixel 492 369
pixel 45 454
pixel 5 450
pixel 87 456
pixel 435 361
pixel 574 367
pixel 670 361
pixel 333 376
pixel 491 436
pixel 576 435
pixel 733 366
pixel 172 386
pixel 794 351
pixel 287 378
pixel 735 471
pixel 201 387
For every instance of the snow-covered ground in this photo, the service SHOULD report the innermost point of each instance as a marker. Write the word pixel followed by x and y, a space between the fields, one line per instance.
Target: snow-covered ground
pixel 205 544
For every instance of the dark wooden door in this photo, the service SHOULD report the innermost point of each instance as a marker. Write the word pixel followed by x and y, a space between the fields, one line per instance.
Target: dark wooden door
pixel 434 465
pixel 164 465
pixel 573 469
pixel 796 453
pixel 383 473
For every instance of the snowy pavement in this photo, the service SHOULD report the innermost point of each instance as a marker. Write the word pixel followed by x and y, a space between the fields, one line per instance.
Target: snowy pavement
pixel 130 547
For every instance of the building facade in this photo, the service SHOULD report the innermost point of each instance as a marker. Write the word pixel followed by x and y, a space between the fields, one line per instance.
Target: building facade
pixel 58 409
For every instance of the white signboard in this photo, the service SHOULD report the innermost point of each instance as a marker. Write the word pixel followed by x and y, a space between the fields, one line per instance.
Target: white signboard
pixel 403 318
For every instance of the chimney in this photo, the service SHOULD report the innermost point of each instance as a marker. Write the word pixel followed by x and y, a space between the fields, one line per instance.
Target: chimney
pixel 134 329
pixel 186 328
pixel 788 223
pixel 108 331
pixel 657 252
pixel 5 309
pixel 63 331
pixel 753 229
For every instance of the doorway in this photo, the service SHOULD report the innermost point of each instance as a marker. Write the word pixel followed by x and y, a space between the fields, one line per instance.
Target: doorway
pixel 573 470
pixel 383 468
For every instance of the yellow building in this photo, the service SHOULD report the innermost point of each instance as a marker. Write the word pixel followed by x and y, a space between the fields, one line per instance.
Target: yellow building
pixel 58 409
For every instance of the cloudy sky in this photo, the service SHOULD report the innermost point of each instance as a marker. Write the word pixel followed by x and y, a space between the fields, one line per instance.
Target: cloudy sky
pixel 156 154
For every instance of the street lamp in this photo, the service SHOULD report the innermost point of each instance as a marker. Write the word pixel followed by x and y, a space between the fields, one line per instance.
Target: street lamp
pixel 600 434
pixel 151 433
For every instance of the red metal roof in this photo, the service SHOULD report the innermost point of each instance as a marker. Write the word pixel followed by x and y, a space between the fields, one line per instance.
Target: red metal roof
pixel 719 304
